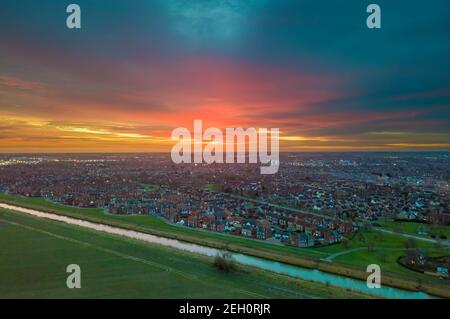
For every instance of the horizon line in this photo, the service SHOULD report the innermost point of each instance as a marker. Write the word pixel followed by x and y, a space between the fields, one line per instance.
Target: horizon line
pixel 302 151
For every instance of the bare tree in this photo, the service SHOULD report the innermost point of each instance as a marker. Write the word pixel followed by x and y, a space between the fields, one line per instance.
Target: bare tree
pixel 224 262
pixel 361 237
pixel 345 242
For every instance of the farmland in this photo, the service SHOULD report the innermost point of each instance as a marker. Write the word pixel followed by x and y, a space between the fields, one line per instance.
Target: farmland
pixel 36 252
pixel 346 259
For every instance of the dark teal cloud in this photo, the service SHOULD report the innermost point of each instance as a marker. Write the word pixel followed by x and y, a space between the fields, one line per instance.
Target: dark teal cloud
pixel 403 66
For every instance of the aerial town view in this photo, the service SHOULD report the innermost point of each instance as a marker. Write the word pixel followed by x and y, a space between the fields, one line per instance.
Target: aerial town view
pixel 194 150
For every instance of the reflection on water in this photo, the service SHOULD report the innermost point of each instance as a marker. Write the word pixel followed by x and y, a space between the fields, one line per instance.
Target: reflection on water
pixel 294 271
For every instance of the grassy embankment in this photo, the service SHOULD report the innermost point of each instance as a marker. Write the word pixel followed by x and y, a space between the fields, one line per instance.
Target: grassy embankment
pixel 372 247
pixel 35 253
pixel 417 229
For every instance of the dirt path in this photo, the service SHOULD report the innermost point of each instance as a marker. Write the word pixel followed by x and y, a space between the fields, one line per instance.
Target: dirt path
pixel 331 257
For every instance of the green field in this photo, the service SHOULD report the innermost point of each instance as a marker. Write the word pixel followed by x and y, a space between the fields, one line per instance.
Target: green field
pixel 350 259
pixel 146 223
pixel 382 249
pixel 35 253
pixel 148 187
pixel 417 229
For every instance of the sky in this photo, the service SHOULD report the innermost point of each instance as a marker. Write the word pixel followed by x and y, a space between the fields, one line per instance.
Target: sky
pixel 137 70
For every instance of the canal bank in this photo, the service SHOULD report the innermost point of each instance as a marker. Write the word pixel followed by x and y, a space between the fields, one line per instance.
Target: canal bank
pixel 315 275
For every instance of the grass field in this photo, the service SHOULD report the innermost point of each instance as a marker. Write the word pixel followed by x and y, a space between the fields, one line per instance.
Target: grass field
pixel 417 229
pixel 35 253
pixel 148 187
pixel 350 260
pixel 157 224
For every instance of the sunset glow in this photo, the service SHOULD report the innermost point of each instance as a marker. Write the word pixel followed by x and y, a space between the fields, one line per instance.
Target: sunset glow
pixel 86 91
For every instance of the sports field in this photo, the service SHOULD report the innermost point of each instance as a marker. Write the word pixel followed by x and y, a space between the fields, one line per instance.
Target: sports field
pixel 34 255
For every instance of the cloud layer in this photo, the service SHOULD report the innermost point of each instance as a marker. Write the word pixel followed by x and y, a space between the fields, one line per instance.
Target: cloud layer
pixel 137 70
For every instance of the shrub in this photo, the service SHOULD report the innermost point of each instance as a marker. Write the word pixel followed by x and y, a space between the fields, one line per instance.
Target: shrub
pixel 224 262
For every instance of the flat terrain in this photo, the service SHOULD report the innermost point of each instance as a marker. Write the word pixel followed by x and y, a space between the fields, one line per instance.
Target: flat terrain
pixel 34 255
pixel 351 259
pixel 157 224
pixel 417 229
